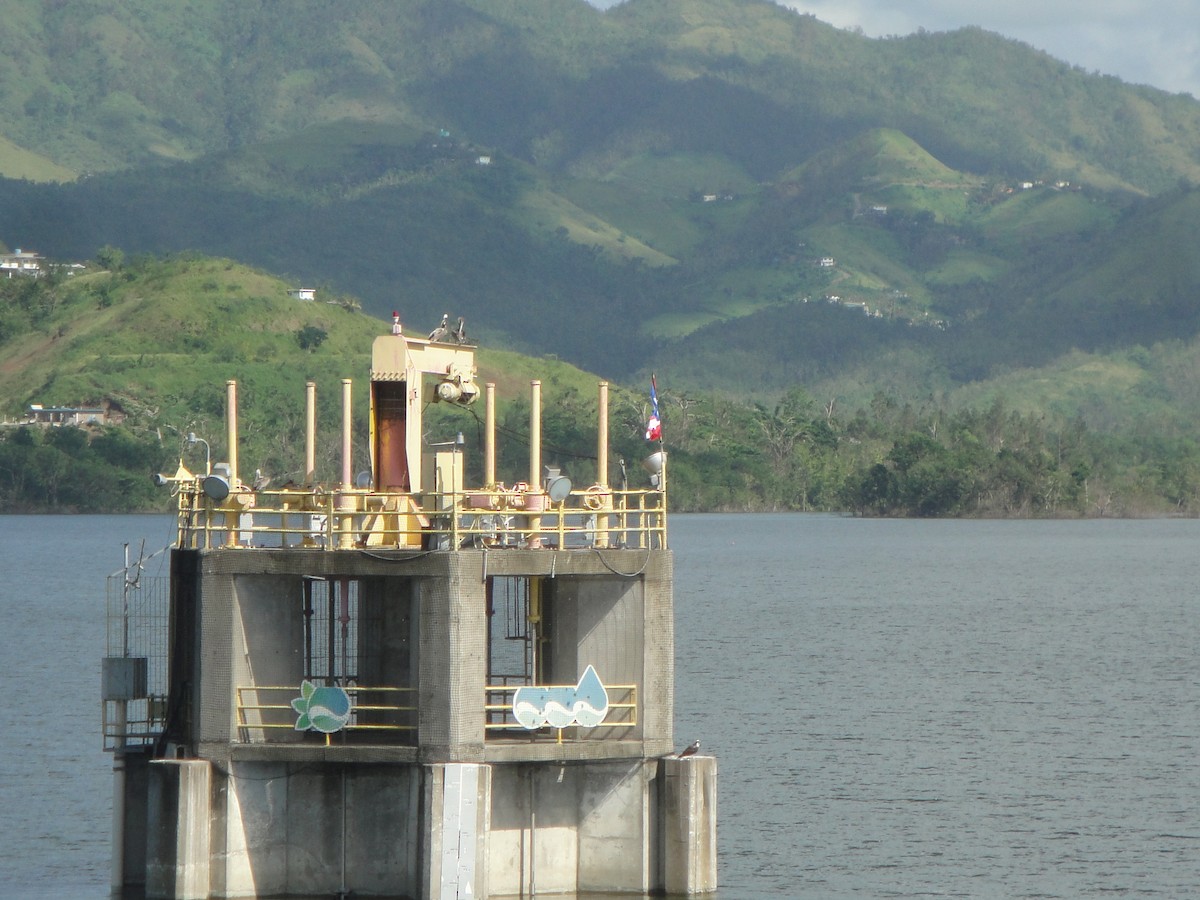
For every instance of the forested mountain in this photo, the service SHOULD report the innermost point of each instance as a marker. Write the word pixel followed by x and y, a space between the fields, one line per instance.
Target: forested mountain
pixel 154 341
pixel 735 195
pixel 102 84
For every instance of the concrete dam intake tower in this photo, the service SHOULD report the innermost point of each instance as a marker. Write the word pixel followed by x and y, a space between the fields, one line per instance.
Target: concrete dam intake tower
pixel 398 685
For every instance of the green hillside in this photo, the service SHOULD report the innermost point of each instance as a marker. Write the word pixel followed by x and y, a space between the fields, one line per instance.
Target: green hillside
pixel 724 148
pixel 159 339
pixel 107 85
pixel 741 198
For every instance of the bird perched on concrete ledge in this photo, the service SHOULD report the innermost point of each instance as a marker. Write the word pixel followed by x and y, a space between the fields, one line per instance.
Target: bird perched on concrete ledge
pixel 690 750
pixel 442 332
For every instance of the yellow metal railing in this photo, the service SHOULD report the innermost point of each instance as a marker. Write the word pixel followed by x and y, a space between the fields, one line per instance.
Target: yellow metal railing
pixel 133 723
pixel 355 519
pixel 500 721
pixel 263 709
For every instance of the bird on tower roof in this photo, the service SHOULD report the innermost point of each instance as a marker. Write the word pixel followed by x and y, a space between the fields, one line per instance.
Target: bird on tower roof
pixel 443 330
pixel 460 332
pixel 690 750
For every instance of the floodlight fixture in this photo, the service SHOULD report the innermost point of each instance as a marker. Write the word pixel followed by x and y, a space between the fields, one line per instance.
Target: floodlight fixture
pixel 193 441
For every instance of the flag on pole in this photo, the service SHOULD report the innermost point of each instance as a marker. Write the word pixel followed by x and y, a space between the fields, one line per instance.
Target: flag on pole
pixel 654 425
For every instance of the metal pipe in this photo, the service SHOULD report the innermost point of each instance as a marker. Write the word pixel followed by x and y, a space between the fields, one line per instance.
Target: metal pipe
pixel 344 621
pixel 231 429
pixel 118 814
pixel 331 632
pixel 534 499
pixel 535 434
pixel 532 834
pixel 600 538
pixel 343 893
pixel 347 461
pixel 310 433
pixel 489 436
pixel 535 630
pixel 345 500
pixel 308 629
pixel 602 438
pixel 122 726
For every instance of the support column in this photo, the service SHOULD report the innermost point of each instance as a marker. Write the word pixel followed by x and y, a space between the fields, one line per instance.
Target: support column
pixel 689 825
pixel 454 840
pixel 179 833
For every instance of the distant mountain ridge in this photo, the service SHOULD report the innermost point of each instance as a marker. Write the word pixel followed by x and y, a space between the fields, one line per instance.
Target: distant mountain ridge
pixel 108 85
pixel 655 186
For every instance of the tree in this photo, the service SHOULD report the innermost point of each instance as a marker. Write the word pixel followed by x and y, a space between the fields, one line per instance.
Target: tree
pixel 310 337
pixel 873 490
pixel 110 258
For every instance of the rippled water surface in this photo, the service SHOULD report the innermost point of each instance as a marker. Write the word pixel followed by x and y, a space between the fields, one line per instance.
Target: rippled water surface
pixel 907 708
pixel 900 708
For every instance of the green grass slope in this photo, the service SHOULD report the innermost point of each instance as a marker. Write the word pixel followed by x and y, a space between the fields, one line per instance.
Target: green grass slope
pixel 1089 433
pixel 17 162
pixel 162 337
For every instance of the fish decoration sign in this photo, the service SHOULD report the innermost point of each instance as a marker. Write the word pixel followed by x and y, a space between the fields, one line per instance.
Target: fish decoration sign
pixel 584 704
pixel 323 709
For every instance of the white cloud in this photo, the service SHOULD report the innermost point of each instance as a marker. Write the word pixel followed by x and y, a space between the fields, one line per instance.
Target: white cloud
pixel 1139 42
pixel 1153 44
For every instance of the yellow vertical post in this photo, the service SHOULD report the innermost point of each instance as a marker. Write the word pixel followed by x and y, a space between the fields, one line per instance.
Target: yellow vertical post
pixel 533 499
pixel 347 429
pixel 602 437
pixel 662 485
pixel 602 519
pixel 231 439
pixel 489 436
pixel 310 432
pixel 346 499
pixel 231 429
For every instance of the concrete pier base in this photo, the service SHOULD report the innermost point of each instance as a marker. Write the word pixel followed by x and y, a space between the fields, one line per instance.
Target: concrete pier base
pixel 572 828
pixel 179 846
pixel 458 812
pixel 432 790
pixel 689 821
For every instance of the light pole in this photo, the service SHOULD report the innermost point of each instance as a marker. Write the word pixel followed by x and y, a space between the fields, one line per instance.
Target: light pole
pixel 193 441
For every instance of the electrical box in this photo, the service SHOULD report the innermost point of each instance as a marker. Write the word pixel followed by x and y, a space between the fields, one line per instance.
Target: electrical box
pixel 124 677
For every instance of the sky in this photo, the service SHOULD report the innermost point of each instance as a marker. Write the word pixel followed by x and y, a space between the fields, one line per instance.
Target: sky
pixel 1155 43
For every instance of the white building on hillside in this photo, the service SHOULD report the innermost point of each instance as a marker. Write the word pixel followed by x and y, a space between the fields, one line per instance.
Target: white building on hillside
pixel 21 262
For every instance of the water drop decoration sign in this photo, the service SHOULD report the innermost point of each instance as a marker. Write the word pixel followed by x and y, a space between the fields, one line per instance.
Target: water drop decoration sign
pixel 323 709
pixel 584 704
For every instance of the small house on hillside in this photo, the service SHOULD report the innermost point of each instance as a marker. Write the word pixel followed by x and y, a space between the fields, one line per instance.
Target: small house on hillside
pixel 22 262
pixel 108 412
pixel 303 293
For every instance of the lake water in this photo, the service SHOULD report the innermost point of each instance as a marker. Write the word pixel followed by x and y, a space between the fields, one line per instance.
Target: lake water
pixel 899 708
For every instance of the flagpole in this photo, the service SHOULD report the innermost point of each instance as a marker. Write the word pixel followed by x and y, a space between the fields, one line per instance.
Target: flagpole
pixel 654 433
pixel 662 449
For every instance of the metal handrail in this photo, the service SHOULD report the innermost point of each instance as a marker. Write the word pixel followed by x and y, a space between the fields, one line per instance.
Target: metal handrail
pixel 626 709
pixel 140 723
pixel 355 518
pixel 275 711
